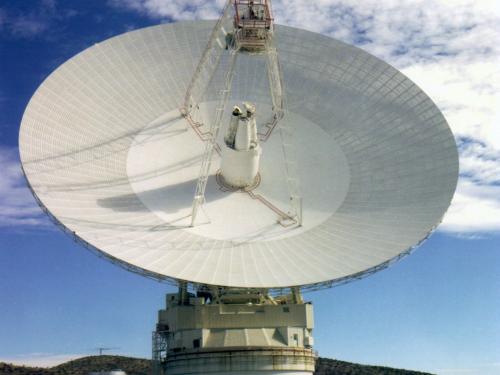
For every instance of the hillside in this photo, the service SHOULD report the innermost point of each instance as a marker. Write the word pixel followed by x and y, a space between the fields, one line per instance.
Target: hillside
pixel 326 366
pixel 137 366
pixel 82 366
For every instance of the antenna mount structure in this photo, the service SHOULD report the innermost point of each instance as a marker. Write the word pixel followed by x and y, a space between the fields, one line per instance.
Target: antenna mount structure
pixel 113 163
pixel 245 27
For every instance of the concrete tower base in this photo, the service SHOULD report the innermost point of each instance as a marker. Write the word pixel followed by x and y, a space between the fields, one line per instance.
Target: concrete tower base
pixel 244 361
pixel 234 332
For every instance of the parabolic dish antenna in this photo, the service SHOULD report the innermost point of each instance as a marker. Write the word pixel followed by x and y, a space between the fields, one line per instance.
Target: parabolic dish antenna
pixel 108 155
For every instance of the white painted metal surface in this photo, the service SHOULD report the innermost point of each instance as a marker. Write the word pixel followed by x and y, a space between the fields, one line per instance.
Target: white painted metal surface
pixel 240 151
pixel 108 155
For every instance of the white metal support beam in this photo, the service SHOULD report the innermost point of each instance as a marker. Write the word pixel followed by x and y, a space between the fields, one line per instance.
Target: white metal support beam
pixel 223 96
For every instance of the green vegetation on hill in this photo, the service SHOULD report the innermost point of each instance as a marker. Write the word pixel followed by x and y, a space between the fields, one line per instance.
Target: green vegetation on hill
pixel 82 366
pixel 326 366
pixel 137 366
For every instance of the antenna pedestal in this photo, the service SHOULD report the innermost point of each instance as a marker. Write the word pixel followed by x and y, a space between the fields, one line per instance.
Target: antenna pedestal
pixel 242 333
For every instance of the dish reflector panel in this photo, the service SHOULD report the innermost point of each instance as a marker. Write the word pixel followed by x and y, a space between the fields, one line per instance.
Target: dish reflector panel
pixel 107 153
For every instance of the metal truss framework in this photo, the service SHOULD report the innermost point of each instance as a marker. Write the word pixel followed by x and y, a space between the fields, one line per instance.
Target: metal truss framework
pixel 231 35
pixel 213 132
pixel 159 351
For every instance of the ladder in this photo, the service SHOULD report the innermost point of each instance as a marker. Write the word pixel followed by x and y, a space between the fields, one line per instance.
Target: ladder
pixel 286 131
pixel 223 96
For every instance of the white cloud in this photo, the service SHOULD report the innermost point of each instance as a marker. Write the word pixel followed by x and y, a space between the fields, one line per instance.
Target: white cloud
pixel 175 10
pixel 37 22
pixel 475 208
pixel 28 25
pixel 480 163
pixel 467 89
pixel 468 93
pixel 17 206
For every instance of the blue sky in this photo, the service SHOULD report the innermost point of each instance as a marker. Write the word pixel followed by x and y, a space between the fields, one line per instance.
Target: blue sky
pixel 437 310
